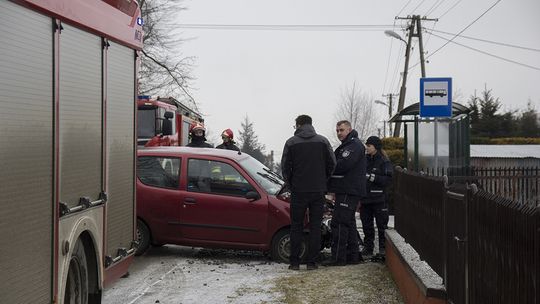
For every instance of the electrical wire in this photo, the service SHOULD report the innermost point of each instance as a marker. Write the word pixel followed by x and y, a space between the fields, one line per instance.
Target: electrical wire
pixel 388 61
pixel 489 41
pixel 398 63
pixel 428 37
pixel 448 10
pixel 290 27
pixel 419 4
pixel 434 7
pixel 401 10
pixel 454 37
pixel 489 54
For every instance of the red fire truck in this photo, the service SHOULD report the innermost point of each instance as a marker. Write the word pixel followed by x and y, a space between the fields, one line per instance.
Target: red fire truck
pixel 164 121
pixel 67 147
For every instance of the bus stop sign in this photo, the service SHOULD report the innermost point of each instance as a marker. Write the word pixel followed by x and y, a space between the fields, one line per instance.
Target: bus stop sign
pixel 435 97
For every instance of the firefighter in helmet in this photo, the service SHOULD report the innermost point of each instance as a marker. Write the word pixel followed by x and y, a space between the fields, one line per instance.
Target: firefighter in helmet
pixel 228 142
pixel 197 135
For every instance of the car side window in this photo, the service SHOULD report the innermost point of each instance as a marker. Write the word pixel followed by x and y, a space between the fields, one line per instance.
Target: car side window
pixel 160 172
pixel 216 177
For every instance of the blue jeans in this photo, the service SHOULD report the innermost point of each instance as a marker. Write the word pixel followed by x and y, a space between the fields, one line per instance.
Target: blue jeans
pixel 300 203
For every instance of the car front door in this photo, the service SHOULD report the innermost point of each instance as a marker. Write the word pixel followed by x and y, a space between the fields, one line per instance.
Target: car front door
pixel 215 207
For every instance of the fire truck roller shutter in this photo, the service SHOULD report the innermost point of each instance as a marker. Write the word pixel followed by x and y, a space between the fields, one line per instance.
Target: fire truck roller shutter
pixel 80 94
pixel 26 154
pixel 120 147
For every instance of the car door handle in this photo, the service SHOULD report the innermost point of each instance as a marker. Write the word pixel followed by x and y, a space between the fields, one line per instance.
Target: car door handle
pixel 190 201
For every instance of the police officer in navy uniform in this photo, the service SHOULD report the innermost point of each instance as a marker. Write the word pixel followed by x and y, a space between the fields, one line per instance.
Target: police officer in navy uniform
pixel 379 176
pixel 348 183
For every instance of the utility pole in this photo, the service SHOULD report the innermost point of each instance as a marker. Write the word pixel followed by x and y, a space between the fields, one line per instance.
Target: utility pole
pixel 390 97
pixel 415 23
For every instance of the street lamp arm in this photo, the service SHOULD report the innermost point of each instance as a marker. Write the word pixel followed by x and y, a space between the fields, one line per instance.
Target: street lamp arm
pixel 394 35
pixel 381 102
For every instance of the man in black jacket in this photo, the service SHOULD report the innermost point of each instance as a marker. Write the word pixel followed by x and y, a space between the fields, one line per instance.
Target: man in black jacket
pixel 307 163
pixel 379 176
pixel 349 185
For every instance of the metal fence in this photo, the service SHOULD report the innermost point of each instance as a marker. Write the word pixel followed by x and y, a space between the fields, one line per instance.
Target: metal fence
pixel 418 203
pixel 504 250
pixel 516 183
pixel 485 247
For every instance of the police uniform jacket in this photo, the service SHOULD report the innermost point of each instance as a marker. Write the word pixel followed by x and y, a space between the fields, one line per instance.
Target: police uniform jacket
pixel 380 168
pixel 307 161
pixel 349 177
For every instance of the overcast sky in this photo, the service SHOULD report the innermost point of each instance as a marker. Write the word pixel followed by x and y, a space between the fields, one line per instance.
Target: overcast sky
pixel 274 75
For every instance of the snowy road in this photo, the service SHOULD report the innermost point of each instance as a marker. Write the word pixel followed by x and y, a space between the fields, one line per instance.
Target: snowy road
pixel 183 275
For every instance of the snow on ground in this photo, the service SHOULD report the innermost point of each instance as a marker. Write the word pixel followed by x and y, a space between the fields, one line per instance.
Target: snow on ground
pixel 176 274
pixel 184 275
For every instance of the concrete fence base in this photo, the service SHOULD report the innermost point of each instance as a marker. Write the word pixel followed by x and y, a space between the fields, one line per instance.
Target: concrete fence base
pixel 416 281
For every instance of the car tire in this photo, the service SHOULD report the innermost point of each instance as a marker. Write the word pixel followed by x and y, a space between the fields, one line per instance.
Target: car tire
pixel 143 237
pixel 76 291
pixel 281 247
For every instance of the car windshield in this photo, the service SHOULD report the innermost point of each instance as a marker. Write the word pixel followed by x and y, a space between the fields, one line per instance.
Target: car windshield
pixel 270 181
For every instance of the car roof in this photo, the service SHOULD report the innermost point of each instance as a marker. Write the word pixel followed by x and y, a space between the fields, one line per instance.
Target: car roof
pixel 189 151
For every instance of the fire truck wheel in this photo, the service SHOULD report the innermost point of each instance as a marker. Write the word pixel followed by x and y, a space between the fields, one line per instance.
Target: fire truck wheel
pixel 77 279
pixel 281 247
pixel 143 237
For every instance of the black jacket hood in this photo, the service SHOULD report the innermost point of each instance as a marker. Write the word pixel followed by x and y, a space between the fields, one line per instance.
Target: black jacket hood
pixel 305 131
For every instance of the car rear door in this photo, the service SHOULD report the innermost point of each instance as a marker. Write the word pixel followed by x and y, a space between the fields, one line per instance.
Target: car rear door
pixel 214 206
pixel 158 195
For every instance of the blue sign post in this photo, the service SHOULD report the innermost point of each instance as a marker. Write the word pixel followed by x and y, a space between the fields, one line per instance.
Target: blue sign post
pixel 435 97
pixel 436 101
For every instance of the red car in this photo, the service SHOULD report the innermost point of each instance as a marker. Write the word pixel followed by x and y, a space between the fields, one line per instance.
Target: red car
pixel 210 198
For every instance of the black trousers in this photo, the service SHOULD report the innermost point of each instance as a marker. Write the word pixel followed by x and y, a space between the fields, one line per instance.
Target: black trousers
pixel 344 231
pixel 368 212
pixel 300 203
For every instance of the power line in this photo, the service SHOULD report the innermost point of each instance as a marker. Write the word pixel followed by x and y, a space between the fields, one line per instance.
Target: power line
pixel 434 7
pixel 464 29
pixel 401 10
pixel 419 4
pixel 290 27
pixel 448 10
pixel 489 41
pixel 489 54
pixel 388 62
pixel 396 73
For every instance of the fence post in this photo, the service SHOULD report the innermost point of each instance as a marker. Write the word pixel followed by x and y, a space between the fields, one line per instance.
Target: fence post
pixel 537 255
pixel 445 236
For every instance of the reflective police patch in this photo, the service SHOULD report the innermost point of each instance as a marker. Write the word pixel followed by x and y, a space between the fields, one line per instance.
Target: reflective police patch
pixel 346 153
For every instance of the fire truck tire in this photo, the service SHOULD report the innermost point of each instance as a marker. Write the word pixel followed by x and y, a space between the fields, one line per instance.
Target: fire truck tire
pixel 143 237
pixel 281 247
pixel 77 280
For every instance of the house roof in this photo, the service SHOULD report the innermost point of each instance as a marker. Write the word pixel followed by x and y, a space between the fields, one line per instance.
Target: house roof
pixel 505 151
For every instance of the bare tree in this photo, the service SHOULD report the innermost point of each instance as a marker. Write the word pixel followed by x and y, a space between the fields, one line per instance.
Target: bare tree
pixel 164 70
pixel 357 107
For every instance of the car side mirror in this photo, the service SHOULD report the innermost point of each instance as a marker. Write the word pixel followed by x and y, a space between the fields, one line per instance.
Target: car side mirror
pixel 252 196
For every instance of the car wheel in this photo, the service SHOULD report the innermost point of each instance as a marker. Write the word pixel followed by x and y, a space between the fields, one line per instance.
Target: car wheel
pixel 281 247
pixel 143 237
pixel 77 280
